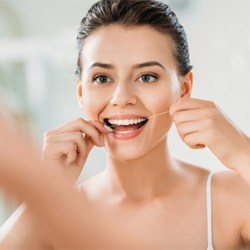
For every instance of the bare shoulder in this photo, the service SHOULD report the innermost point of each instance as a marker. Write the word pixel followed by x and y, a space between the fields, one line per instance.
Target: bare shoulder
pixel 231 202
pixel 230 205
pixel 196 174
pixel 231 185
pixel 231 194
pixel 232 191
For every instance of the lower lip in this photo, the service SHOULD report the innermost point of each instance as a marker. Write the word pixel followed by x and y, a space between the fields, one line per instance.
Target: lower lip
pixel 128 135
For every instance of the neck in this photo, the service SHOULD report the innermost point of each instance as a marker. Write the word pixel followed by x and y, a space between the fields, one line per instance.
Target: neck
pixel 143 178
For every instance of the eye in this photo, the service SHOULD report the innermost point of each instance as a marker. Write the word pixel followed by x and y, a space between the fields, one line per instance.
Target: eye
pixel 148 78
pixel 101 79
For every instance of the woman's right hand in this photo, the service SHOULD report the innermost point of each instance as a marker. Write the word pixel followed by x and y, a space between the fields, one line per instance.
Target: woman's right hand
pixel 67 147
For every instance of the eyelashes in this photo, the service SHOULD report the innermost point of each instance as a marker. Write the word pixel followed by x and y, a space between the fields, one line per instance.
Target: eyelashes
pixel 145 78
pixel 148 78
pixel 102 79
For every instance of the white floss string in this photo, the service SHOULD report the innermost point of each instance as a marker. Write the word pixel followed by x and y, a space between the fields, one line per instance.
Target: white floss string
pixel 166 112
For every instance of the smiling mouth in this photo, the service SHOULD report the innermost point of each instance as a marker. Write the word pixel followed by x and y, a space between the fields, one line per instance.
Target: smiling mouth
pixel 124 125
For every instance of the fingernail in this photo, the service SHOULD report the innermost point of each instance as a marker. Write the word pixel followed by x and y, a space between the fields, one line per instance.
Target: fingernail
pixel 99 126
pixel 108 128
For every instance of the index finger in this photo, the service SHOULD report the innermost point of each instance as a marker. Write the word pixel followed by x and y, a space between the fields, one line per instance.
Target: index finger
pixel 77 125
pixel 188 103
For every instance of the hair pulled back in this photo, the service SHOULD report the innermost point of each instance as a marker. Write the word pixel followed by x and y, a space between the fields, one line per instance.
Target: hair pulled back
pixel 136 12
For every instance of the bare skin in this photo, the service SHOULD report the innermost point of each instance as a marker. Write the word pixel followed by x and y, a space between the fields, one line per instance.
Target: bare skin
pixel 154 201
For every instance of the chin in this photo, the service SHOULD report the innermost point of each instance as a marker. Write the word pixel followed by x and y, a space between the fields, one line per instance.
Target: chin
pixel 126 153
pixel 139 147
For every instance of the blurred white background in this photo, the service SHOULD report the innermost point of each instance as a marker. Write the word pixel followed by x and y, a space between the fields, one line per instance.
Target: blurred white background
pixel 38 60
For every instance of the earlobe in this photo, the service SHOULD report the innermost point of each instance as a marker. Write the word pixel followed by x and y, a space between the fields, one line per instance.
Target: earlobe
pixel 187 84
pixel 79 93
pixel 79 87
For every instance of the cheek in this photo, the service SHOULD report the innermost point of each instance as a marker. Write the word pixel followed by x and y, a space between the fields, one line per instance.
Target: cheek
pixel 162 97
pixel 93 103
pixel 161 101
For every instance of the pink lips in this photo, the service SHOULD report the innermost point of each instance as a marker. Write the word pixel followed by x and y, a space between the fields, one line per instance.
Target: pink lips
pixel 126 135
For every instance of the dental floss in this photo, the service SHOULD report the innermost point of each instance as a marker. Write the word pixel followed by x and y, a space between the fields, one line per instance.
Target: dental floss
pixel 111 130
pixel 158 114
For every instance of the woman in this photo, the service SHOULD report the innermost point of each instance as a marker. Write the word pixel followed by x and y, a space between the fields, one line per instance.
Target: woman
pixel 134 80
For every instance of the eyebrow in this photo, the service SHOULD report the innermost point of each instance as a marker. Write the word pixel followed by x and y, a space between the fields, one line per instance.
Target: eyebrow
pixel 137 66
pixel 102 65
pixel 149 64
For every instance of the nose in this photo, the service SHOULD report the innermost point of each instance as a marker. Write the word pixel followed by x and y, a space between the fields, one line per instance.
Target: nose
pixel 123 96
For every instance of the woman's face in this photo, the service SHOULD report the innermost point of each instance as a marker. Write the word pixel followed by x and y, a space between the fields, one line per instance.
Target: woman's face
pixel 129 73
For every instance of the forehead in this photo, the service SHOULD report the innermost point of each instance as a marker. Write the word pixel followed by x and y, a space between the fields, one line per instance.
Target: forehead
pixel 119 44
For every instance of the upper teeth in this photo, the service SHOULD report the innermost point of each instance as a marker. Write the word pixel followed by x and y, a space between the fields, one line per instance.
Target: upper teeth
pixel 126 122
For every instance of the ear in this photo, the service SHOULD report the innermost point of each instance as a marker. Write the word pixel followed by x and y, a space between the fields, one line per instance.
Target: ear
pixel 79 93
pixel 187 84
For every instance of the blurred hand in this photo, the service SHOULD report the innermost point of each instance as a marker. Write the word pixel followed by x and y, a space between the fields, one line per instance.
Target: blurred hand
pixel 16 148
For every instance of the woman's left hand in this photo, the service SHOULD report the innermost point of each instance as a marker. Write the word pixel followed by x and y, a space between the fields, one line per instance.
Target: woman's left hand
pixel 202 124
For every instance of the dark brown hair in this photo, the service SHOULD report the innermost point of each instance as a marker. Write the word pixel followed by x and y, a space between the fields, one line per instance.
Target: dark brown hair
pixel 136 12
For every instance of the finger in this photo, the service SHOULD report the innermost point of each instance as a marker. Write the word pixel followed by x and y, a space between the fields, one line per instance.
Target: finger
pixel 88 146
pixel 187 103
pixel 76 126
pixel 71 157
pixel 196 134
pixel 100 126
pixel 205 126
pixel 186 128
pixel 78 137
pixel 195 140
pixel 58 150
pixel 81 150
pixel 83 145
pixel 192 115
